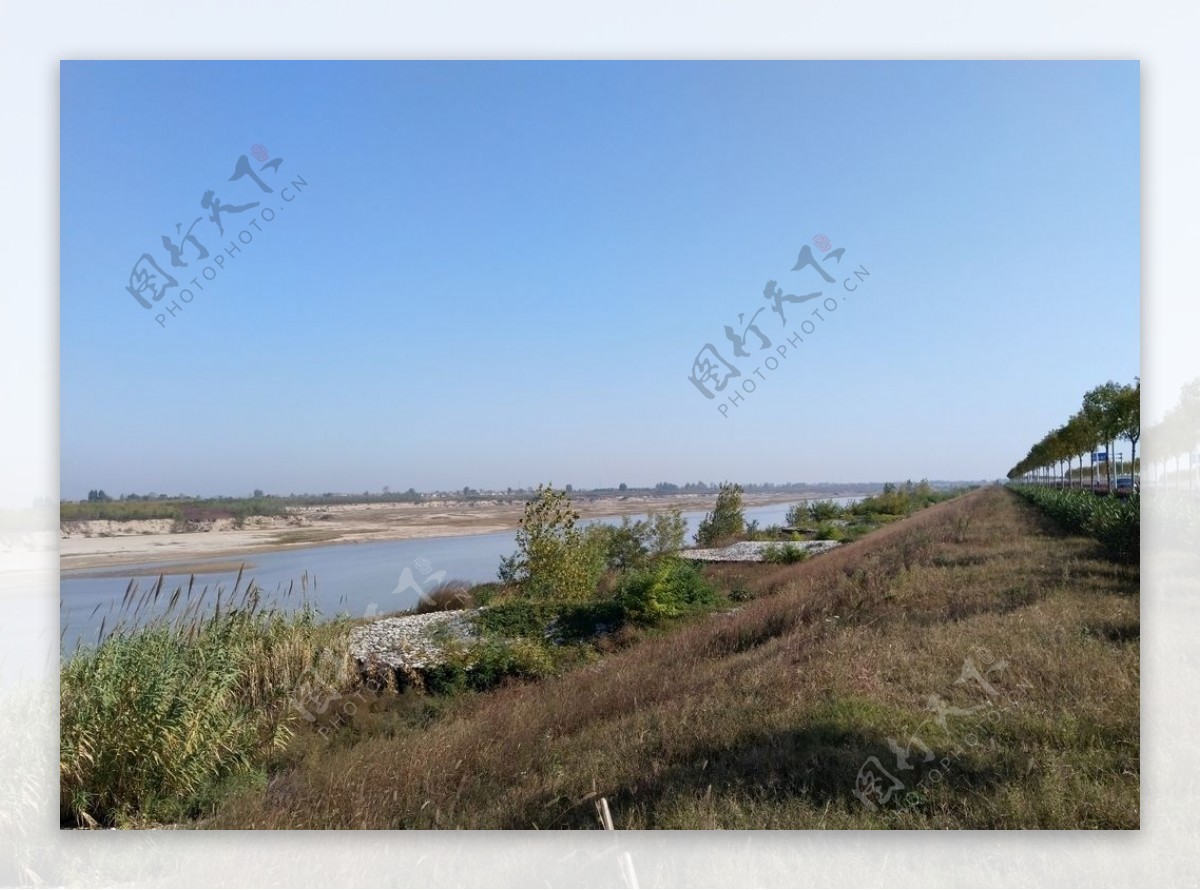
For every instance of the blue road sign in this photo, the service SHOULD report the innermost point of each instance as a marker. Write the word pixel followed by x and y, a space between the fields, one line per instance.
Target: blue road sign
pixel 1100 457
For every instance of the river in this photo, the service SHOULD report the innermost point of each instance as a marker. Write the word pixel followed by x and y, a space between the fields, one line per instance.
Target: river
pixel 358 578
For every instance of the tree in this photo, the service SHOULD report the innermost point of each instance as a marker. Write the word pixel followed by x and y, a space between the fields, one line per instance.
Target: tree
pixel 635 544
pixel 258 492
pixel 666 532
pixel 622 487
pixel 727 520
pixel 624 544
pixel 1081 437
pixel 555 559
pixel 1102 406
pixel 1129 412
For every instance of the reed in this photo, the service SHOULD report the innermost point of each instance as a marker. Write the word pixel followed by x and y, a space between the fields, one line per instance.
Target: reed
pixel 180 695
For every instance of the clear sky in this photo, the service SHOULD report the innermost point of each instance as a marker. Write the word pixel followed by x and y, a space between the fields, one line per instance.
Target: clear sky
pixel 495 274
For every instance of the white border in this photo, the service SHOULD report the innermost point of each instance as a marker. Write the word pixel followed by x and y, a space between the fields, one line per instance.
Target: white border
pixel 34 37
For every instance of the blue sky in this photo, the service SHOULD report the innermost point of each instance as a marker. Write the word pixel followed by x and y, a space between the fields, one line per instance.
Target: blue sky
pixel 497 274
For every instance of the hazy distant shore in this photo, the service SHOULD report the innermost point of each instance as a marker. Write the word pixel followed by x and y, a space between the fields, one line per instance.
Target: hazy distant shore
pixel 99 544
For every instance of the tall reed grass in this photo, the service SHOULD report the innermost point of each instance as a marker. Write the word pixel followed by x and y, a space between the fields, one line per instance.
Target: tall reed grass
pixel 174 701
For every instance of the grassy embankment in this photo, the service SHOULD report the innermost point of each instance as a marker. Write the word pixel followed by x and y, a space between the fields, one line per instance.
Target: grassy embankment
pixel 761 715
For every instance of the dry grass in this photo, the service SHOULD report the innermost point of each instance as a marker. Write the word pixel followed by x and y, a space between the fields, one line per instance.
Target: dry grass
pixel 448 596
pixel 762 716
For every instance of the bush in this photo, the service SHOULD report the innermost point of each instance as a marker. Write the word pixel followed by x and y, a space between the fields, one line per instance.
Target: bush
pixel 482 594
pixel 578 622
pixel 515 618
pixel 823 511
pixel 827 531
pixel 783 554
pixel 669 589
pixel 727 519
pixel 495 661
pixel 485 665
pixel 901 500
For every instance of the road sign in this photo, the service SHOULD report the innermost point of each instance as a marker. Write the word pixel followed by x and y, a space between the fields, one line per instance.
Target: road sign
pixel 1100 457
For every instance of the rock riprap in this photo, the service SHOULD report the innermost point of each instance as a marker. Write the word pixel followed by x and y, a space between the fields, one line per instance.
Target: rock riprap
pixel 407 644
pixel 751 551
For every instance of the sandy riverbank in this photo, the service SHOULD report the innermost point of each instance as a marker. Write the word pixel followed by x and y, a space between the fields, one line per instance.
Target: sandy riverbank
pixel 102 544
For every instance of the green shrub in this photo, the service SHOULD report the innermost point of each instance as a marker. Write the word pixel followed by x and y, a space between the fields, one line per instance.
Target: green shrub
pixel 783 554
pixel 827 531
pixel 901 500
pixel 447 678
pixel 667 590
pixel 515 618
pixel 495 661
pixel 740 593
pixel 823 511
pixel 582 621
pixel 564 622
pixel 482 594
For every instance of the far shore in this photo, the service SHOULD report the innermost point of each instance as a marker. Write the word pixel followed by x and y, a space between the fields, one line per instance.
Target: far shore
pixel 89 546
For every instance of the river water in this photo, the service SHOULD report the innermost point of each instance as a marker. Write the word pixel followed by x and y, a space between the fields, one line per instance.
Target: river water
pixel 358 579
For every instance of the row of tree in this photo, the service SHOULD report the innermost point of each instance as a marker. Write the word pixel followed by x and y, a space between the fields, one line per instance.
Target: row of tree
pixel 1110 412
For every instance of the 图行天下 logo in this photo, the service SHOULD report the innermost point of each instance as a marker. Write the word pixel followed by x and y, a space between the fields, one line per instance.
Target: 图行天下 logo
pixel 204 249
pixel 717 377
